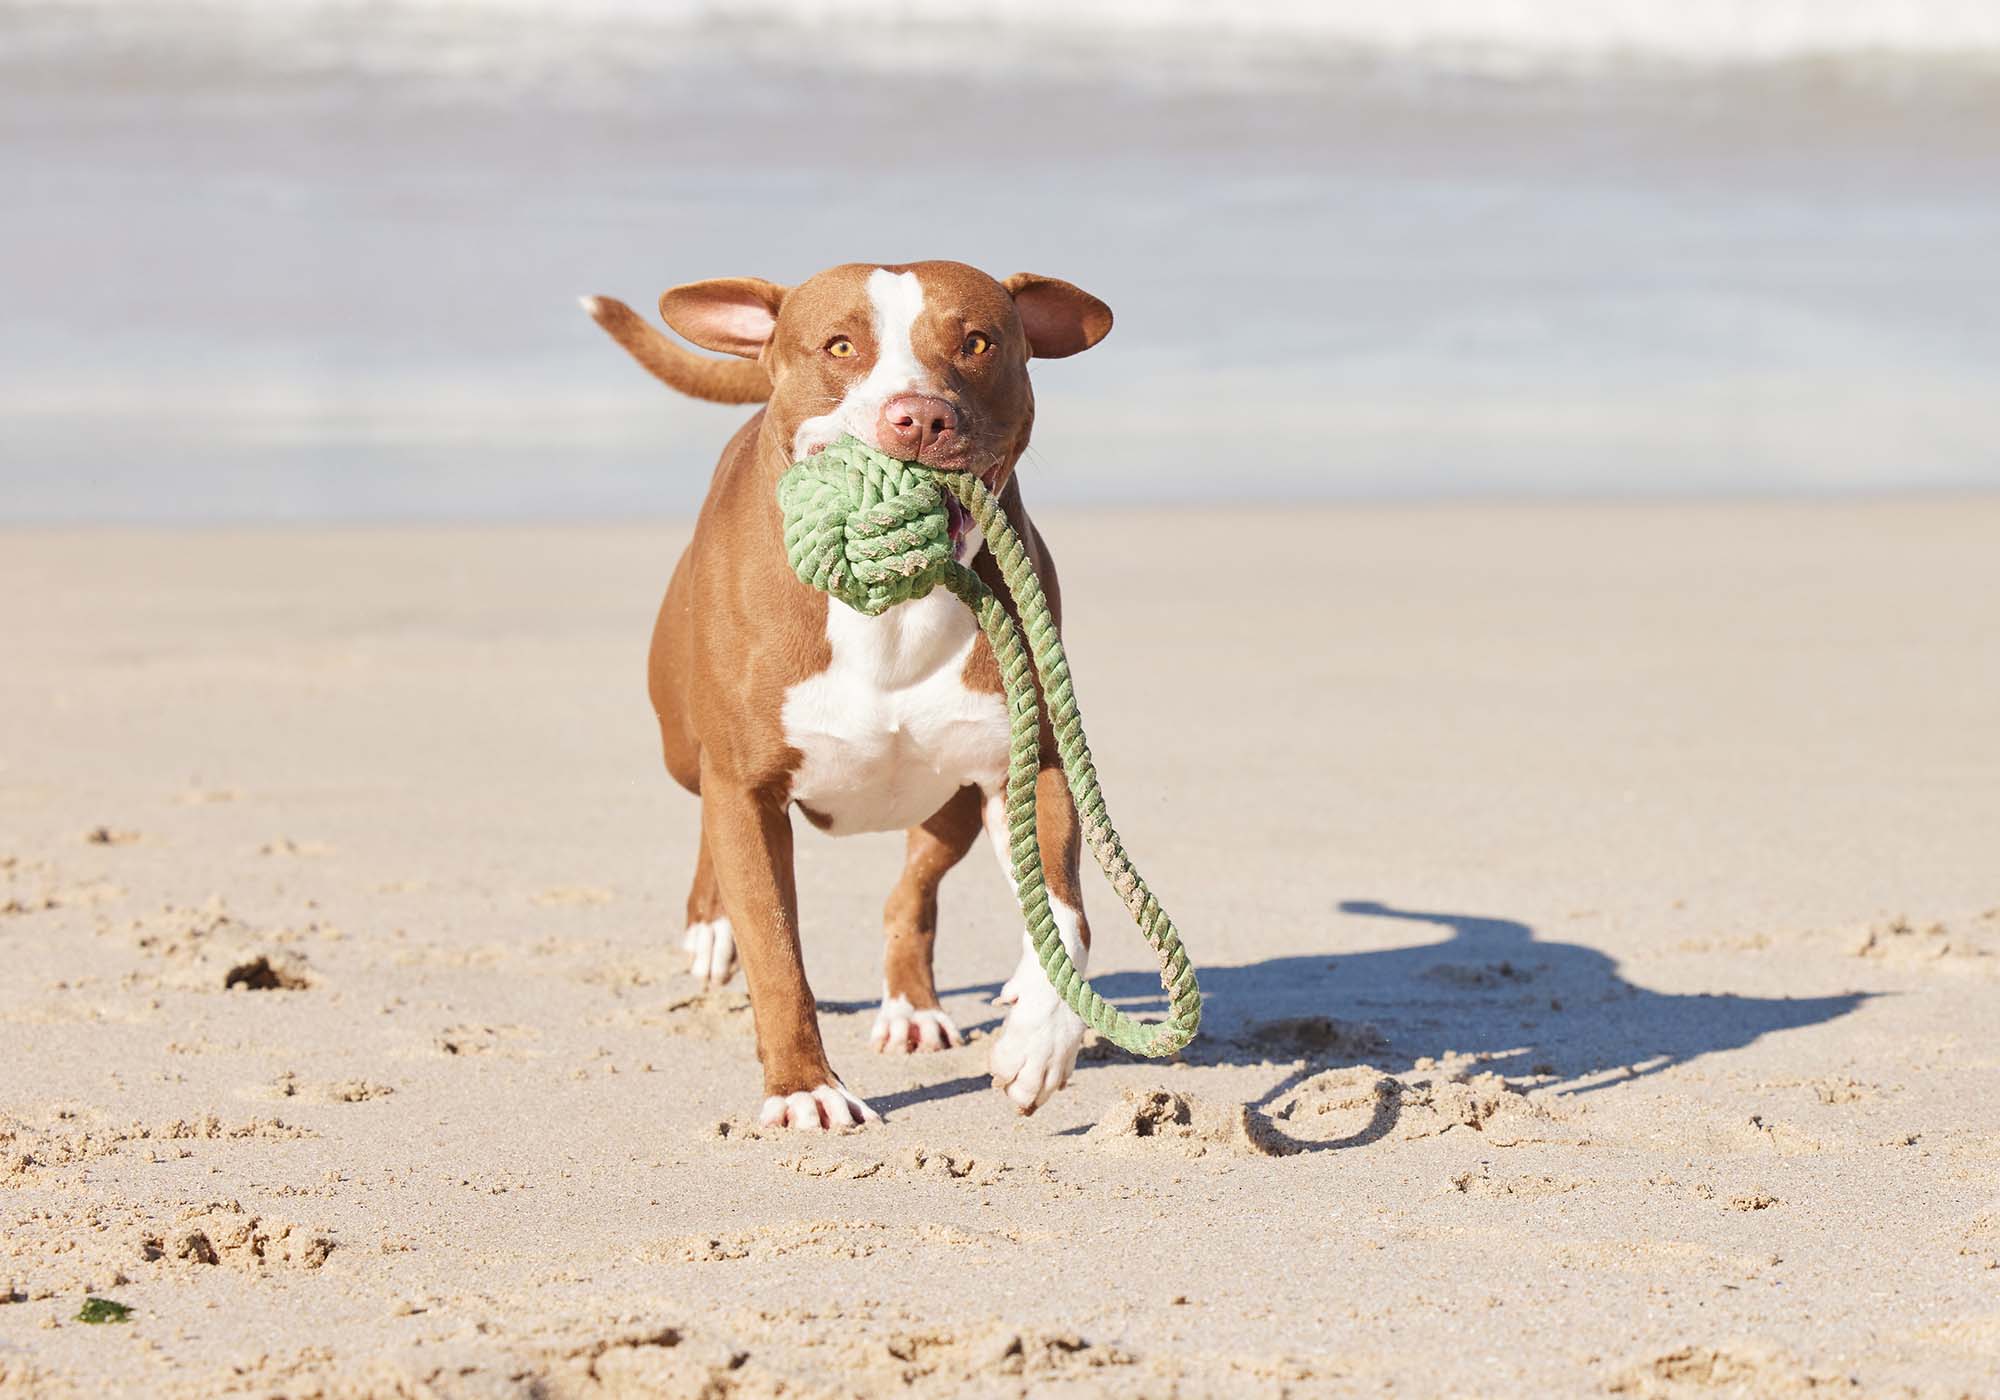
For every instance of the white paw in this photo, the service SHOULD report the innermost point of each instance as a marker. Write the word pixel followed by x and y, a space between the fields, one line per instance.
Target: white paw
pixel 711 950
pixel 1027 973
pixel 901 1028
pixel 828 1106
pixel 1035 1051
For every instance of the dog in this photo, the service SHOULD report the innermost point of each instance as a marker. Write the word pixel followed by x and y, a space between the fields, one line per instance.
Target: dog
pixel 772 696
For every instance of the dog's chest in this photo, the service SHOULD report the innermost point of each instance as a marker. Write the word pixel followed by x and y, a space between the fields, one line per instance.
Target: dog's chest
pixel 889 730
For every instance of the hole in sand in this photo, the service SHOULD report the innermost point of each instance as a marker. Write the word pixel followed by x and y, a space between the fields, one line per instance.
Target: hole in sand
pixel 260 974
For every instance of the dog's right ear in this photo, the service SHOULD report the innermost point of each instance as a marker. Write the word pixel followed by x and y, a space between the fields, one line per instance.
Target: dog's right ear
pixel 734 315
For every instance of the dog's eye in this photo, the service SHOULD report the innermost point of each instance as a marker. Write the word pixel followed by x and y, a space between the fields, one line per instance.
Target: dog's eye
pixel 977 344
pixel 840 347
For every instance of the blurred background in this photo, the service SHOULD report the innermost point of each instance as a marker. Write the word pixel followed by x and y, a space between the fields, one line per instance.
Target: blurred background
pixel 318 260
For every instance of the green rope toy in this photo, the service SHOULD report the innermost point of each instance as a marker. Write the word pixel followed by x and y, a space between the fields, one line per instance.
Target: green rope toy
pixel 874 532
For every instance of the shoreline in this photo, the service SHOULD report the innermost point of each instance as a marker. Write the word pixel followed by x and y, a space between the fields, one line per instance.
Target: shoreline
pixel 1916 499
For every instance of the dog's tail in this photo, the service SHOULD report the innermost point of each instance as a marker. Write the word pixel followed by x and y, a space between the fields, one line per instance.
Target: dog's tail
pixel 700 376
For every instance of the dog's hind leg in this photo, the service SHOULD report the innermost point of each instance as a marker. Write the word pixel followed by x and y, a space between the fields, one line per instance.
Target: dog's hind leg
pixel 910 1018
pixel 710 940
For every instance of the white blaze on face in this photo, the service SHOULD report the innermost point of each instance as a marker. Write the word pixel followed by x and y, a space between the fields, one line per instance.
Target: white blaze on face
pixel 895 300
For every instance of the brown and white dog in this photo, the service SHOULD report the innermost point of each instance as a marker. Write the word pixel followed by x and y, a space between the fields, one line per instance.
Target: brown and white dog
pixel 771 696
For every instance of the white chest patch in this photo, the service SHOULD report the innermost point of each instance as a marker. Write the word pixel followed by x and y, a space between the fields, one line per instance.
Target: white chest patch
pixel 889 730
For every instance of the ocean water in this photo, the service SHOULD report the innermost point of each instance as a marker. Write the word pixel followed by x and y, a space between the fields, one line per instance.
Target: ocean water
pixel 319 259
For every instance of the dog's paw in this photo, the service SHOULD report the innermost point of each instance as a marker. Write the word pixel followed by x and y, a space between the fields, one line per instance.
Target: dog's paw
pixel 1027 973
pixel 827 1106
pixel 711 950
pixel 900 1028
pixel 1035 1051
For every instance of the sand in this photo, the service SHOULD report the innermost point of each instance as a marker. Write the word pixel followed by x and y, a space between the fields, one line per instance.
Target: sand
pixel 1600 909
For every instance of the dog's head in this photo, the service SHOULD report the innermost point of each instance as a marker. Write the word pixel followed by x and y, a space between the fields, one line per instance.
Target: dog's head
pixel 926 362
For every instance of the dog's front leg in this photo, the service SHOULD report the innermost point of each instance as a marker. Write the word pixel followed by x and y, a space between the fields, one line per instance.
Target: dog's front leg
pixel 1035 1052
pixel 750 836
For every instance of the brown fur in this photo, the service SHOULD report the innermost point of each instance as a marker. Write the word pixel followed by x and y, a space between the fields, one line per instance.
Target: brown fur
pixel 718 381
pixel 737 630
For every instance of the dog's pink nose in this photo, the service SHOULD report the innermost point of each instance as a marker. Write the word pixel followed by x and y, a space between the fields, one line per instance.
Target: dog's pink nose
pixel 910 423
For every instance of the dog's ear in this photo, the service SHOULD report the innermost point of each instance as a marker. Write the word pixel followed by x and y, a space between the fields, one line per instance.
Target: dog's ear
pixel 1060 319
pixel 734 315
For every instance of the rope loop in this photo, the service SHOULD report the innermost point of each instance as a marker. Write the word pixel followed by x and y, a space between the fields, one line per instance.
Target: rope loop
pixel 874 532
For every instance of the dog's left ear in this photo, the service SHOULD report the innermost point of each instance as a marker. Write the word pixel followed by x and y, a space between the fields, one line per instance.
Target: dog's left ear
pixel 1060 319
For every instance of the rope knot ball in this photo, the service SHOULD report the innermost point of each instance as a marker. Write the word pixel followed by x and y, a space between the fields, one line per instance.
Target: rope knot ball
pixel 875 532
pixel 870 530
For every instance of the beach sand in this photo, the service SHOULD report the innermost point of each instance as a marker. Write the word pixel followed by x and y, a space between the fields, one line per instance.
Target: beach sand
pixel 1599 908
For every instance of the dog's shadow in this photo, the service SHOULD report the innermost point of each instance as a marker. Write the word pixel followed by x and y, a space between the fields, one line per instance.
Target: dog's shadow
pixel 1489 988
